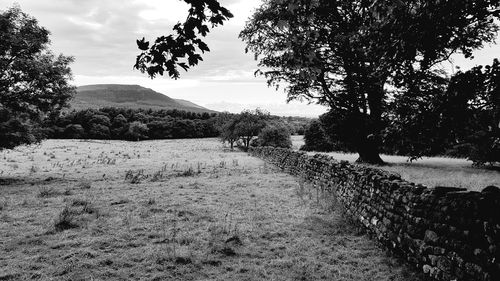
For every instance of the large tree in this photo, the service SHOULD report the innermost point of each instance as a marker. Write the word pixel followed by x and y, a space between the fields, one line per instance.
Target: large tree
pixel 346 54
pixel 33 81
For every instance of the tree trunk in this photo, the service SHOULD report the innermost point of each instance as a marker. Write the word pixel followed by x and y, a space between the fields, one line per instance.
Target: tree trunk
pixel 368 151
pixel 368 145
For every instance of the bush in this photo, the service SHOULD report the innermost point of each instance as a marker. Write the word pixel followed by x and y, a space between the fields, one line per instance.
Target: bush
pixel 485 149
pixel 315 138
pixel 275 135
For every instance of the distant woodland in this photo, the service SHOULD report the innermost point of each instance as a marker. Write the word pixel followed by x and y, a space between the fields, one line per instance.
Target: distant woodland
pixel 143 124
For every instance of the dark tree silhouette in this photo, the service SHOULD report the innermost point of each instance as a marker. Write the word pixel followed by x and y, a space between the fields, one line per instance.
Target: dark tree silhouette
pixel 33 82
pixel 345 53
pixel 182 50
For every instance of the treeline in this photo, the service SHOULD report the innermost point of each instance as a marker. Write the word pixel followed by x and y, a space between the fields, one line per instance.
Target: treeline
pixel 457 116
pixel 147 124
pixel 132 124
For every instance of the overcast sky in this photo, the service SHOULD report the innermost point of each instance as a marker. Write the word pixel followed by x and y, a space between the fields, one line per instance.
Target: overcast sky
pixel 101 35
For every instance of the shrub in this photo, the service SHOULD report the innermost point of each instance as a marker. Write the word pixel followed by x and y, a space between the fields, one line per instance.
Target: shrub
pixel 485 149
pixel 275 135
pixel 315 138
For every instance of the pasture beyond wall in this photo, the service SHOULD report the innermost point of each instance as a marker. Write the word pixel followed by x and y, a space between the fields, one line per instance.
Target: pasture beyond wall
pixel 448 233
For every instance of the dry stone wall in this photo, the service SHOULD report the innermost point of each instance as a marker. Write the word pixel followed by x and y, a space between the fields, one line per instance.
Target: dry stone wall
pixel 448 233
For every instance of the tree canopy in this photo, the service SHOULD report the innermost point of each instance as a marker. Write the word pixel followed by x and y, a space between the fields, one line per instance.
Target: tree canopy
pixel 345 53
pixel 34 83
pixel 359 57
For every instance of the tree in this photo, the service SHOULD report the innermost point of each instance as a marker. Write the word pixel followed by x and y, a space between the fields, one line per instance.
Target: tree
pixel 315 138
pixel 226 125
pixel 137 131
pixel 98 131
pixel 170 52
pixel 74 131
pixel 249 124
pixel 118 126
pixel 33 82
pixel 346 53
pixel 275 134
pixel 459 116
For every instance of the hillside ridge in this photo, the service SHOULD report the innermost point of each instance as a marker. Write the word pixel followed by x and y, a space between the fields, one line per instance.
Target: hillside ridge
pixel 128 96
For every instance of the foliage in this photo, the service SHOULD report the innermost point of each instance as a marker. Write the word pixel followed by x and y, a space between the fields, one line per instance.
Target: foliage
pixel 457 116
pixel 137 131
pixel 315 138
pixel 33 81
pixel 74 131
pixel 132 124
pixel 343 54
pixel 275 134
pixel 226 124
pixel 243 128
pixel 170 52
pixel 249 124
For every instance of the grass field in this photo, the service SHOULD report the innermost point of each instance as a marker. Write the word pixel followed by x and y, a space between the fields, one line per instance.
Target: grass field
pixel 429 171
pixel 171 210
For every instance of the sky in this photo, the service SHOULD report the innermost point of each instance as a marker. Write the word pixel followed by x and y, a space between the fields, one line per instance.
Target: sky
pixel 102 34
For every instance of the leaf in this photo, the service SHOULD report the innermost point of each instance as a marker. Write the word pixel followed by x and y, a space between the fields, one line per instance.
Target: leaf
pixel 183 65
pixel 143 44
pixel 203 47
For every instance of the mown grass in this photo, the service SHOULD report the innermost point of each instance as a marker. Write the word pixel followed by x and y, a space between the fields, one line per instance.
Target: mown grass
pixel 429 171
pixel 197 212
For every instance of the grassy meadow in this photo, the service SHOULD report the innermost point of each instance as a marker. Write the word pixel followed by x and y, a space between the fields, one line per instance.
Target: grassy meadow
pixel 171 210
pixel 429 171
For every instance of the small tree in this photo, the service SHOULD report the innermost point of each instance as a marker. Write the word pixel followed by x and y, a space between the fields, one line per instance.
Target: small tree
pixel 226 125
pixel 229 134
pixel 33 82
pixel 249 124
pixel 276 135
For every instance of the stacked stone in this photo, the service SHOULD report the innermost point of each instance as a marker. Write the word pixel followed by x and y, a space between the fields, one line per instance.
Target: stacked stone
pixel 448 233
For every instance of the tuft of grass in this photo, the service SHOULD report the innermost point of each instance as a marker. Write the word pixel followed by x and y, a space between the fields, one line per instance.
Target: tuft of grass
pixel 33 169
pixel 189 172
pixel 135 177
pixel 84 185
pixel 224 237
pixel 3 204
pixel 65 220
pixel 45 192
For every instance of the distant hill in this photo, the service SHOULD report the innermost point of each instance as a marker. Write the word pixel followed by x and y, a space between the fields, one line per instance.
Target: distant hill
pixel 128 96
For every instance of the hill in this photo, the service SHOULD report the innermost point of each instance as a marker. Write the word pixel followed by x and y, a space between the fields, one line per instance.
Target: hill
pixel 128 96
